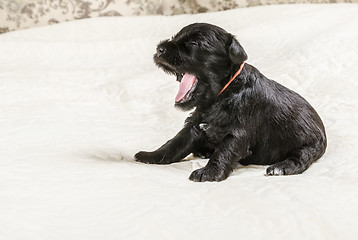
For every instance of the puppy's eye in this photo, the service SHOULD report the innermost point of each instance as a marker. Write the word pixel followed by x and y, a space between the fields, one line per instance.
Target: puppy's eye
pixel 192 43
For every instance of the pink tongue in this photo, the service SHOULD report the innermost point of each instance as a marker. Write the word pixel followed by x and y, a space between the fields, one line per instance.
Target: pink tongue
pixel 185 85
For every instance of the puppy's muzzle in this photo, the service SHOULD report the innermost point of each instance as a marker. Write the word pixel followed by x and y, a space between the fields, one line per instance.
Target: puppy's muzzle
pixel 160 51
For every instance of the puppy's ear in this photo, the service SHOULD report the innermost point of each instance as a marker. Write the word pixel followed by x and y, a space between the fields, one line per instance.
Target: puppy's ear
pixel 236 51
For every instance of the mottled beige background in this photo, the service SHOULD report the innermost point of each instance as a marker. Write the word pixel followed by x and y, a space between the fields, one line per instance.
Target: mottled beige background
pixel 19 14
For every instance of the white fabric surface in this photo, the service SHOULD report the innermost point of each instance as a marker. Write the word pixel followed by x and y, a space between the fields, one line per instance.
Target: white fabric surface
pixel 79 99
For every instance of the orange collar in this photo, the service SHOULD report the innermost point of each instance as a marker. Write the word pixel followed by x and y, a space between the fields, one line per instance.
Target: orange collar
pixel 232 79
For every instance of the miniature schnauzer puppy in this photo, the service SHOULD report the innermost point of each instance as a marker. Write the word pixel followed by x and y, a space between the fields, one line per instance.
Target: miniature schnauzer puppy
pixel 240 117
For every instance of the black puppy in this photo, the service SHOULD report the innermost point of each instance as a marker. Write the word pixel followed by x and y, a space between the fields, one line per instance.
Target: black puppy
pixel 240 116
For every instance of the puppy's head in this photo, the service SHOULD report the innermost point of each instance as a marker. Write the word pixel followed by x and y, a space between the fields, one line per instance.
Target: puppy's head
pixel 203 57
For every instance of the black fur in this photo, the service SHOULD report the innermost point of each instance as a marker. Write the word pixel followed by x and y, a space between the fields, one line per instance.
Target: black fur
pixel 254 121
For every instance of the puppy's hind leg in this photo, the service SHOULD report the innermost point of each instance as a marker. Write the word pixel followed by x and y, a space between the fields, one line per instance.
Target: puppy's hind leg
pixel 297 161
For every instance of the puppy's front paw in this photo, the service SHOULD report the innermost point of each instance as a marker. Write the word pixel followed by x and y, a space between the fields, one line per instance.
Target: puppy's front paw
pixel 208 173
pixel 150 157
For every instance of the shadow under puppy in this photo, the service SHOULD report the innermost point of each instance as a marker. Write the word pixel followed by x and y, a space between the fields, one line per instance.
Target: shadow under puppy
pixel 240 116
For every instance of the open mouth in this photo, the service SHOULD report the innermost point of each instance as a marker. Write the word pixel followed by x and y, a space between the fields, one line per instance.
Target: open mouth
pixel 187 81
pixel 187 86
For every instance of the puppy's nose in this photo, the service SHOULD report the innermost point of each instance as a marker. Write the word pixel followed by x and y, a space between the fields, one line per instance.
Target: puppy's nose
pixel 160 51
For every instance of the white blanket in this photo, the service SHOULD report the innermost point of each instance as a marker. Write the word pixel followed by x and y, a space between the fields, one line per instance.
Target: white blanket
pixel 79 99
